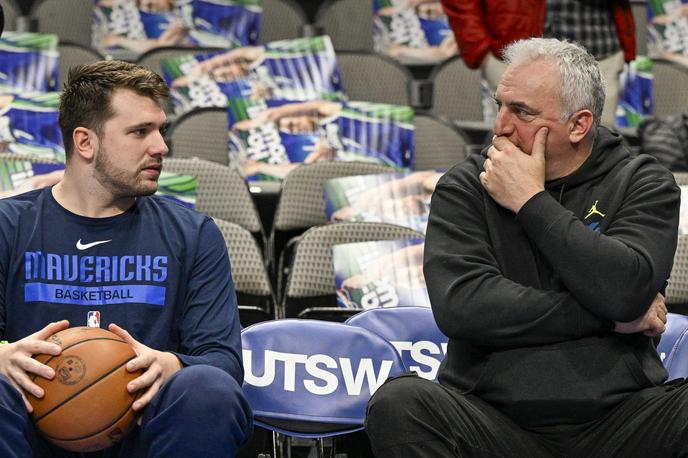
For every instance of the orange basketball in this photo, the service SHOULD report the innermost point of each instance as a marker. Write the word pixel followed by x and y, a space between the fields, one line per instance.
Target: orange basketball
pixel 86 406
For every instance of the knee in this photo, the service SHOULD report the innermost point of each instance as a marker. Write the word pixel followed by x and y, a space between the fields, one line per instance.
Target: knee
pixel 10 397
pixel 213 393
pixel 396 400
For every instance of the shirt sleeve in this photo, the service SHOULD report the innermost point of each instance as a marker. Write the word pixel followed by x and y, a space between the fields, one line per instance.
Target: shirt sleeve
pixel 615 273
pixel 471 298
pixel 209 328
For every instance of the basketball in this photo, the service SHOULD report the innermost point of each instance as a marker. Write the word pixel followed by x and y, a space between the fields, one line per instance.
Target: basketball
pixel 86 406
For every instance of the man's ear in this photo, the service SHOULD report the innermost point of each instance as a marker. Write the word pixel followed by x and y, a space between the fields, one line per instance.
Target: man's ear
pixel 580 124
pixel 85 142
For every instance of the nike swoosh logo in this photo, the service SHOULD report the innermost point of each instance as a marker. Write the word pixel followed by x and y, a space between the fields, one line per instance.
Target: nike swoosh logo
pixel 86 246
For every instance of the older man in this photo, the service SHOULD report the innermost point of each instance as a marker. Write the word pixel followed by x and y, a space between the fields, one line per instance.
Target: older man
pixel 545 259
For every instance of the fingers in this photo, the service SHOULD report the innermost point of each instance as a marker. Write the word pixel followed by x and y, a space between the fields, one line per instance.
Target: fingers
pixel 146 397
pixel 51 329
pixel 124 335
pixel 540 143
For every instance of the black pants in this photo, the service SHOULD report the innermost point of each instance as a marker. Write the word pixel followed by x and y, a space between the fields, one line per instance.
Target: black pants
pixel 412 417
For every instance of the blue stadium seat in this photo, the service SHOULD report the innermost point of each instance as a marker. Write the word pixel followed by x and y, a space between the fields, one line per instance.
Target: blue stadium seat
pixel 311 378
pixel 673 346
pixel 412 331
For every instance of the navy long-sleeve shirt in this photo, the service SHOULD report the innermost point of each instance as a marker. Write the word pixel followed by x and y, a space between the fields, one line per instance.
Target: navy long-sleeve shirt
pixel 158 270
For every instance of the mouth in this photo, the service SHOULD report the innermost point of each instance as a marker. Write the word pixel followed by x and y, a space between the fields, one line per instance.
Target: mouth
pixel 152 169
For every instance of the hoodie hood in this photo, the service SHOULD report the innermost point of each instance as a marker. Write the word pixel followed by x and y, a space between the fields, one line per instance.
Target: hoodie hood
pixel 607 152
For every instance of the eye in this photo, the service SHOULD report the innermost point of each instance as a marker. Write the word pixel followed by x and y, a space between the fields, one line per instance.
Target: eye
pixel 139 132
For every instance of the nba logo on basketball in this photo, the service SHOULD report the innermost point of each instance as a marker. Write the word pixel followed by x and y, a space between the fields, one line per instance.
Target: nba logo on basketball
pixel 93 319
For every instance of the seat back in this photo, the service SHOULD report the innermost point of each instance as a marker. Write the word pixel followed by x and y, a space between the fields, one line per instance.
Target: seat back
pixel 676 327
pixel 639 10
pixel 439 144
pixel 674 346
pixel 374 77
pixel 456 92
pixel 313 386
pixel 310 281
pixel 677 289
pixel 11 12
pixel 200 133
pixel 68 19
pixel 349 23
pixel 668 77
pixel 249 273
pixel 72 54
pixel 281 20
pixel 301 204
pixel 413 332
pixel 221 193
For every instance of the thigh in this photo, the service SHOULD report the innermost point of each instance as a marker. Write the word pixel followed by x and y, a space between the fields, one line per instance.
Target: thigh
pixel 411 416
pixel 652 422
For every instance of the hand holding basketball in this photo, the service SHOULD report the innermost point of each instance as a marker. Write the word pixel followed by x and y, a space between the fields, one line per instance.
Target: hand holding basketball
pixel 17 364
pixel 85 406
pixel 158 367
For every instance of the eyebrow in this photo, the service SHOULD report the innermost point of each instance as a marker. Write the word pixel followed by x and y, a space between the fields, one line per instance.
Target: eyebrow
pixel 518 105
pixel 145 125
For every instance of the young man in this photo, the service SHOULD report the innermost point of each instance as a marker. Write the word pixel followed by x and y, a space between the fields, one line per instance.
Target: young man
pixel 157 273
pixel 544 260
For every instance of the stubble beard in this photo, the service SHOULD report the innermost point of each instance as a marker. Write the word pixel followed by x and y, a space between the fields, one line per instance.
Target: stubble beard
pixel 122 183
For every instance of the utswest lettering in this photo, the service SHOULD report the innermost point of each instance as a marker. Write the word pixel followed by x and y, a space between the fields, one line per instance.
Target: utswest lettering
pixel 422 353
pixel 318 374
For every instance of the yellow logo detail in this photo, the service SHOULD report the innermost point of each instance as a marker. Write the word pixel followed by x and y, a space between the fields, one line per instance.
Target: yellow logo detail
pixel 594 211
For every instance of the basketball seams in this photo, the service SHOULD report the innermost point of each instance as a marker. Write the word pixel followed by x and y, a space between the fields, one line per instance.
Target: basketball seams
pixel 84 388
pixel 74 344
pixel 105 428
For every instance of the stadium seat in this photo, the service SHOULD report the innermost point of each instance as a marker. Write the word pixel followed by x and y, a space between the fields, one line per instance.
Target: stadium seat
pixel 309 288
pixel 349 23
pixel 69 19
pixel 677 289
pixel 669 82
pixel 222 193
pixel 10 11
pixel 374 77
pixel 281 20
pixel 676 327
pixel 639 9
pixel 254 292
pixel 200 133
pixel 456 91
pixel 413 332
pixel 301 204
pixel 72 54
pixel 439 144
pixel 313 387
pixel 673 346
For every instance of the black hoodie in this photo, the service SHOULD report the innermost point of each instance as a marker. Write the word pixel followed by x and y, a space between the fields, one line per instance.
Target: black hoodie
pixel 529 301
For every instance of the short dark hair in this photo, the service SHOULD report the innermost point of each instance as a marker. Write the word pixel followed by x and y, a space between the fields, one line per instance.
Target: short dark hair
pixel 87 94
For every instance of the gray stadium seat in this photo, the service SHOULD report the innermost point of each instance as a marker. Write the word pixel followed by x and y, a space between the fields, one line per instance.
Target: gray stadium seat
pixel 310 285
pixel 374 77
pixel 69 19
pixel 349 23
pixel 439 144
pixel 669 87
pixel 72 54
pixel 201 133
pixel 281 20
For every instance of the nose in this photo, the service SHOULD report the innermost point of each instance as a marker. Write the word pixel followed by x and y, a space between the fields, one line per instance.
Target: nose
pixel 503 125
pixel 159 146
